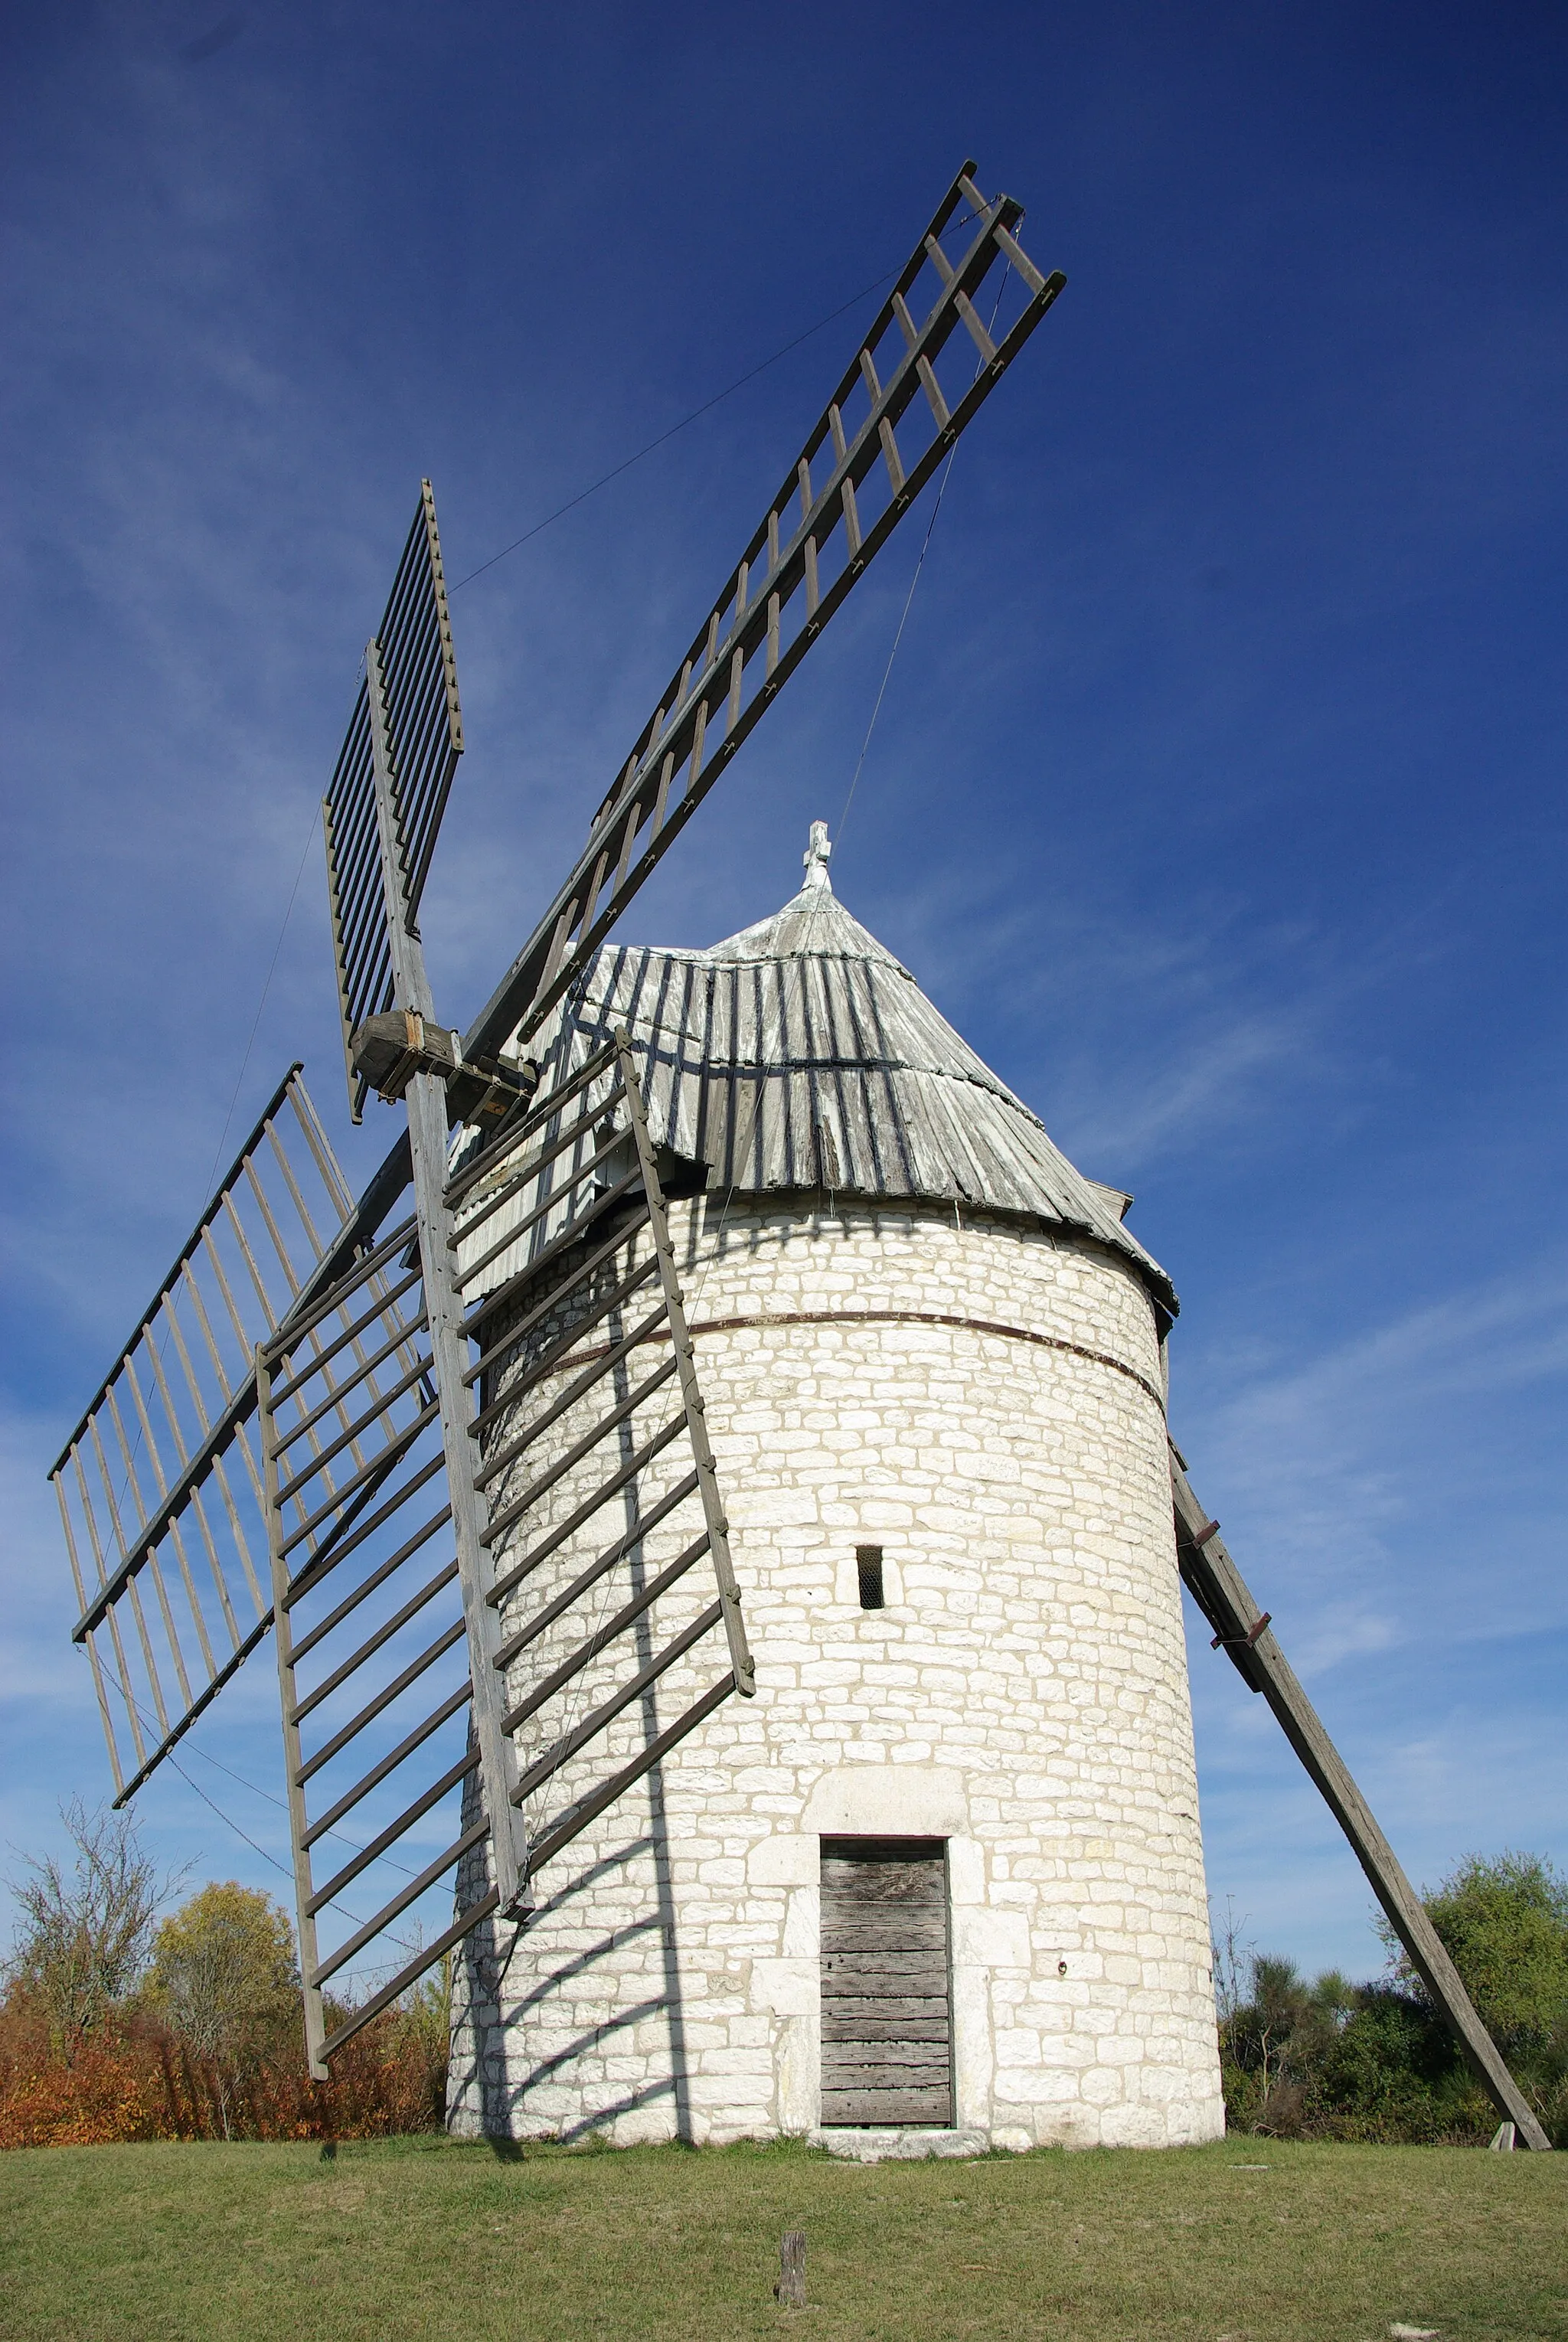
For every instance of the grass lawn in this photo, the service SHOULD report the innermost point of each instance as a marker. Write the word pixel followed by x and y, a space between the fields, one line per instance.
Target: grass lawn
pixel 396 2241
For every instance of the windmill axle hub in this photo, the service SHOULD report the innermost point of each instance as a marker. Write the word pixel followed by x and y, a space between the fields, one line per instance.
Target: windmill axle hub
pixel 388 1050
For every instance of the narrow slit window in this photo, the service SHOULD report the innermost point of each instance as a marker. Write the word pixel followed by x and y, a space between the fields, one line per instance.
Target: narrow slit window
pixel 868 1568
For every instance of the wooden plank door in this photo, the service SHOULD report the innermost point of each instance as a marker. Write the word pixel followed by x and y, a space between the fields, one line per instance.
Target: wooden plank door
pixel 886 2010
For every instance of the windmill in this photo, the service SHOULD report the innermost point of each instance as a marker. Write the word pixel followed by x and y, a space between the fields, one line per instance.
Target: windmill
pixel 449 1441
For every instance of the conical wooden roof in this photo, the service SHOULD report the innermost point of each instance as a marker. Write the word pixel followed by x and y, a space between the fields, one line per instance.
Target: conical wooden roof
pixel 800 1055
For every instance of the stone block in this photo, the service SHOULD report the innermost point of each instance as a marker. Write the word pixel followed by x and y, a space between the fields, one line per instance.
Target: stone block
pixel 787 1858
pixel 787 1987
pixel 991 1938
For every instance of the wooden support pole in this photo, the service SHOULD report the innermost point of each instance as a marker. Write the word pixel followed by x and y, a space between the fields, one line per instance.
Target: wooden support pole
pixel 1221 1592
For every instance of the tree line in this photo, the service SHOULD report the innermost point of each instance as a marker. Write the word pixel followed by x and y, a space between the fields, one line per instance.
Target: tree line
pixel 118 2022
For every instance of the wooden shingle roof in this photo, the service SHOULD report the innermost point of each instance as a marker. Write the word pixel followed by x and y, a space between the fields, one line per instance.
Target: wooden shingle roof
pixel 800 1055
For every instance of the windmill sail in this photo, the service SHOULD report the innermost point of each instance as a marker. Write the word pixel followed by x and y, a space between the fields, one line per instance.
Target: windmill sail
pixel 371 1641
pixel 878 441
pixel 593 1451
pixel 424 733
pixel 160 1486
pixel 387 1676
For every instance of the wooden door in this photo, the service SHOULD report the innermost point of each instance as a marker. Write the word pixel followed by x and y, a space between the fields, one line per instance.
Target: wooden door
pixel 886 2011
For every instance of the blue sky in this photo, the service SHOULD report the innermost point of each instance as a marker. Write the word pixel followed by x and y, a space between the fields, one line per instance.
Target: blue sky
pixel 1216 796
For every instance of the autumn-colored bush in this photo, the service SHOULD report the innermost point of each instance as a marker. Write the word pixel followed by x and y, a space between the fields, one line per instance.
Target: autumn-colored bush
pixel 107 2096
pixel 139 2080
pixel 113 2027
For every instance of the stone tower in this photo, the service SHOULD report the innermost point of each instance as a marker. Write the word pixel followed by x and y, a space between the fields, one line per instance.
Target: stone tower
pixel 943 1873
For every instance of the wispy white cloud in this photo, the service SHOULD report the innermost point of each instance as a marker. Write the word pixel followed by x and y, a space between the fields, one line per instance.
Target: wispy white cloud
pixel 1415 1580
pixel 1354 1407
pixel 1144 1039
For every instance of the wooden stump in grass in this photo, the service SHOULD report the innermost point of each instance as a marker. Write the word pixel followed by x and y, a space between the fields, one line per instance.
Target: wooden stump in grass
pixel 791 2286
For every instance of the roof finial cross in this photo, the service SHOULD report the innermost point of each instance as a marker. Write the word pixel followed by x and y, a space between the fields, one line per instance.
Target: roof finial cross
pixel 816 857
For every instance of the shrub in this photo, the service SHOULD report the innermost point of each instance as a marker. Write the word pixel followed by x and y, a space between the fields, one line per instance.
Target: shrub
pixel 85 1933
pixel 1334 2060
pixel 223 1980
pixel 141 2080
pixel 1504 1922
pixel 110 2031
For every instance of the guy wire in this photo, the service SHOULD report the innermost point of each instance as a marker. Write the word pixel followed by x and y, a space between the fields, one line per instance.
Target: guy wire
pixel 962 219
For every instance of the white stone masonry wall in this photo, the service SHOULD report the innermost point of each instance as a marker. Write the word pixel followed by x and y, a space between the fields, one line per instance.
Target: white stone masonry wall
pixel 1023 1695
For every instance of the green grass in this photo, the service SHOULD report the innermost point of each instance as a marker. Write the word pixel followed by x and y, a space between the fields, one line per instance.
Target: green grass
pixel 422 2237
